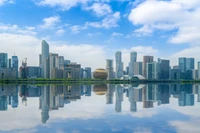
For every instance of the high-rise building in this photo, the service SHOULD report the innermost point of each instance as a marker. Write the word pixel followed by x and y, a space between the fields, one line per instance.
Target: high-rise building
pixel 137 68
pixel 182 64
pixel 153 70
pixel 44 57
pixel 61 62
pixel 9 63
pixel 88 73
pixel 15 64
pixel 146 59
pixel 189 63
pixel 133 59
pixel 119 65
pixel 3 60
pixel 109 68
pixel 165 69
pixel 198 69
pixel 53 62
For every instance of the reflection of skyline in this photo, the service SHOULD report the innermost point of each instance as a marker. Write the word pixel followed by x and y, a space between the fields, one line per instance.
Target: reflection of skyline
pixel 53 97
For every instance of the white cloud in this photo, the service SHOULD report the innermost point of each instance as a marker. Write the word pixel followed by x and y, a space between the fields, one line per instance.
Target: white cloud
pixel 115 34
pixel 4 1
pixel 60 32
pixel 63 4
pixel 50 22
pixel 8 28
pixel 170 15
pixel 108 22
pixel 145 30
pixel 94 34
pixel 77 28
pixel 100 9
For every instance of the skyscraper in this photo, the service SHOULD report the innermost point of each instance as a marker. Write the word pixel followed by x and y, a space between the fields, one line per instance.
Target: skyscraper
pixel 146 59
pixel 153 70
pixel 182 64
pixel 3 60
pixel 119 64
pixel 53 62
pixel 15 64
pixel 165 69
pixel 198 69
pixel 133 59
pixel 109 68
pixel 44 57
pixel 189 63
pixel 137 68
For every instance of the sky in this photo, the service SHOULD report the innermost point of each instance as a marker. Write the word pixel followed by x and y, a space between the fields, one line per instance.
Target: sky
pixel 90 31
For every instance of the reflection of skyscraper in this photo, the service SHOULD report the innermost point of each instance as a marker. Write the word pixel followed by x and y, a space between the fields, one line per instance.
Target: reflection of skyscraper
pixel 109 94
pixel 164 90
pixel 133 59
pixel 44 103
pixel 119 98
pixel 146 104
pixel 3 103
pixel 190 99
pixel 133 104
pixel 119 64
pixel 182 99
pixel 15 99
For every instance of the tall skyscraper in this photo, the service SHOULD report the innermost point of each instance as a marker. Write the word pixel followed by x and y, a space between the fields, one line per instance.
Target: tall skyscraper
pixel 109 68
pixel 165 69
pixel 15 64
pixel 146 59
pixel 133 59
pixel 3 60
pixel 119 64
pixel 182 64
pixel 44 57
pixel 53 62
pixel 137 68
pixel 198 69
pixel 189 63
pixel 61 62
pixel 153 70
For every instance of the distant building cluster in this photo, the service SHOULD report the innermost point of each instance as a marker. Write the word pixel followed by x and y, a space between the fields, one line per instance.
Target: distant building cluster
pixel 51 66
pixel 54 66
pixel 151 69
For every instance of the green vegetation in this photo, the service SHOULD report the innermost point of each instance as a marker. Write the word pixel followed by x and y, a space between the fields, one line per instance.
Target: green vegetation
pixel 89 81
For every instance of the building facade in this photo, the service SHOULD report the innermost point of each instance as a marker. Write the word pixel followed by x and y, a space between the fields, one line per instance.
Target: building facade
pixel 119 65
pixel 109 68
pixel 133 59
pixel 146 59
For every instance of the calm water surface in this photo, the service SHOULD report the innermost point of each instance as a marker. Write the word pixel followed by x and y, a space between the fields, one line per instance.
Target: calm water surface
pixel 151 108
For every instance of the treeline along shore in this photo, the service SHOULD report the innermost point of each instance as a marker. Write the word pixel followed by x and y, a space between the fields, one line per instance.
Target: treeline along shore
pixel 89 81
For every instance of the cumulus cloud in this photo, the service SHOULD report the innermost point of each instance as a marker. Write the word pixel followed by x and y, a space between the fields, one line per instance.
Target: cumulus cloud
pixel 108 22
pixel 60 32
pixel 100 9
pixel 169 15
pixel 115 34
pixel 50 22
pixel 8 28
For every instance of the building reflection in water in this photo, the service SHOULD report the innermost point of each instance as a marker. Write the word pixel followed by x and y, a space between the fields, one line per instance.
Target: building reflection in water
pixel 53 97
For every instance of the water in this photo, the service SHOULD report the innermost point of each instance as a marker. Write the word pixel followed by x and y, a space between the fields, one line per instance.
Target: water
pixel 151 108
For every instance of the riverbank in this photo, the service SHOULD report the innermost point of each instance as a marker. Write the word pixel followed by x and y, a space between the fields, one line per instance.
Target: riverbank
pixel 90 81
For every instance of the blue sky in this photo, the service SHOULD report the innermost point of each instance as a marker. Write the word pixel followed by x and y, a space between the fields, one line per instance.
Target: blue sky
pixel 95 29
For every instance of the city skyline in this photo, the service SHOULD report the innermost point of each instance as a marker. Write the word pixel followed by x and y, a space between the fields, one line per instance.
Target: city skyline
pixel 99 32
